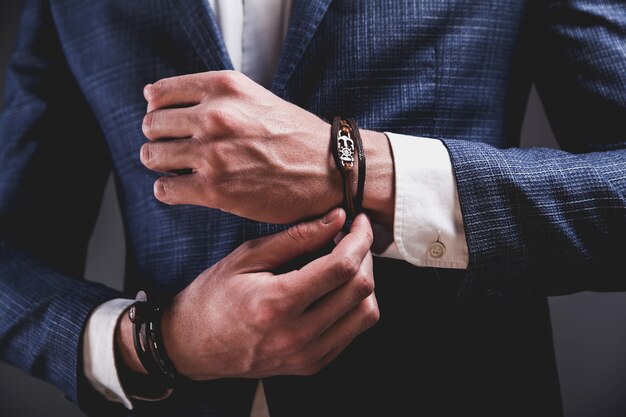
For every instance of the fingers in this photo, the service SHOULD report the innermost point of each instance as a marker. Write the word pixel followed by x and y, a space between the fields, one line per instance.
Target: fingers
pixel 180 189
pixel 191 89
pixel 184 90
pixel 358 241
pixel 171 123
pixel 172 155
pixel 339 302
pixel 335 339
pixel 356 321
pixel 273 251
pixel 329 272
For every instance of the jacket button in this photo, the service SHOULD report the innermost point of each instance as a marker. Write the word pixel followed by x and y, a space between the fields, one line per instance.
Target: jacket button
pixel 436 249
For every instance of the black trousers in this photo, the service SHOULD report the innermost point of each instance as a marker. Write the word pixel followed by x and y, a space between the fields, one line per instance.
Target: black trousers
pixel 431 355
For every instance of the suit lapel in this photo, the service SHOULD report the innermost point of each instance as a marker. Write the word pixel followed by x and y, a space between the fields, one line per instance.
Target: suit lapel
pixel 199 23
pixel 305 18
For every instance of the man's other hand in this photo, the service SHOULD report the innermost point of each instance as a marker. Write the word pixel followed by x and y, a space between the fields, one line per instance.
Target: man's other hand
pixel 240 319
pixel 245 150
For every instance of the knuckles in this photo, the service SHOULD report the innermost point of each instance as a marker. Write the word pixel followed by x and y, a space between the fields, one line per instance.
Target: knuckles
pixel 265 315
pixel 371 314
pixel 208 116
pixel 230 81
pixel 156 91
pixel 364 284
pixel 268 313
pixel 216 119
pixel 299 232
pixel 347 267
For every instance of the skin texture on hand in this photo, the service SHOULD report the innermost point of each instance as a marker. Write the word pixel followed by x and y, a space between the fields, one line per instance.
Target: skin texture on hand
pixel 240 319
pixel 249 152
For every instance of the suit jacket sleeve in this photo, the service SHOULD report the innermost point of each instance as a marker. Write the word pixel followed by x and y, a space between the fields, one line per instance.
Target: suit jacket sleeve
pixel 54 164
pixel 545 221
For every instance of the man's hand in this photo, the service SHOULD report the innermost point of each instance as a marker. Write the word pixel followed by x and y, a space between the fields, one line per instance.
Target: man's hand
pixel 238 319
pixel 248 152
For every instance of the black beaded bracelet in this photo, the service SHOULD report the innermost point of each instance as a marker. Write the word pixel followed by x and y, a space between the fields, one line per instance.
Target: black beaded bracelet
pixel 145 315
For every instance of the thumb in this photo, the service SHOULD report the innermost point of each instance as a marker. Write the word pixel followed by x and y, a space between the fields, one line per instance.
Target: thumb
pixel 271 252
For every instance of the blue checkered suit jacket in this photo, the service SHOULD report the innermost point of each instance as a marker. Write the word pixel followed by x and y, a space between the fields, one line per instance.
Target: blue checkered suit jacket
pixel 538 222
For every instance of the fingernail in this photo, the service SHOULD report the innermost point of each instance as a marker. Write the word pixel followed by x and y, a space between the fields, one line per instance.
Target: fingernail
pixel 331 217
pixel 146 91
pixel 159 189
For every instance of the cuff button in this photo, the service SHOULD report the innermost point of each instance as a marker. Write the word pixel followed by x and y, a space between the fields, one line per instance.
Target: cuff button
pixel 436 249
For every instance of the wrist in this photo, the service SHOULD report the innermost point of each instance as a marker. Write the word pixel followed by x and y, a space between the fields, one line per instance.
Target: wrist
pixel 171 337
pixel 334 193
pixel 132 374
pixel 125 346
pixel 379 192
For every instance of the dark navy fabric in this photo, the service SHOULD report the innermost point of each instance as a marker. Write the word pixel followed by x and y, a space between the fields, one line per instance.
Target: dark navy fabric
pixel 456 70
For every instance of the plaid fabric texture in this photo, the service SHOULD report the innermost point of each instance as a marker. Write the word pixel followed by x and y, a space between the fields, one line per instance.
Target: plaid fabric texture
pixel 456 70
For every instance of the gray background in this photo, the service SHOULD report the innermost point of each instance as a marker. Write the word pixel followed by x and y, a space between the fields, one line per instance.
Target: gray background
pixel 589 328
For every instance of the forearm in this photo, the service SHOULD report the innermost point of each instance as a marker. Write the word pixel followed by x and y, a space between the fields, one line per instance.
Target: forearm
pixel 286 173
pixel 100 359
pixel 410 193
pixel 45 311
pixel 542 221
pixel 46 212
pixel 125 346
pixel 379 192
pixel 110 360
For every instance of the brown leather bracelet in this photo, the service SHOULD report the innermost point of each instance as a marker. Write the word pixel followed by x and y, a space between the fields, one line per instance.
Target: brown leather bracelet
pixel 360 151
pixel 346 141
pixel 343 154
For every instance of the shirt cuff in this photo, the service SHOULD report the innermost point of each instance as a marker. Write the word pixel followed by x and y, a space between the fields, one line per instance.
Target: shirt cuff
pixel 99 350
pixel 428 225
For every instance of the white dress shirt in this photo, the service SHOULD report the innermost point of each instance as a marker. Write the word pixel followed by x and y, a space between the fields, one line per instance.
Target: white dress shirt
pixel 428 227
